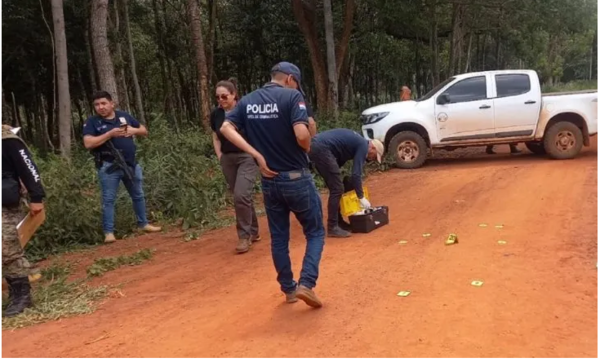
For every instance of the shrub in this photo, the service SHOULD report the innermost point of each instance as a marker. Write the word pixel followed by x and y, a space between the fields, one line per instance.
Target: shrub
pixel 182 182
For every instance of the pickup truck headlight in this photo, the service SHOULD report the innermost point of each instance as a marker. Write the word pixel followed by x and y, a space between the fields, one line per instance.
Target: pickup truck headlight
pixel 372 118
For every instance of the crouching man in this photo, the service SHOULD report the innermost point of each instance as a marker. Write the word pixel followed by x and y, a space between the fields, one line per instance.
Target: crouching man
pixel 110 135
pixel 329 152
pixel 17 166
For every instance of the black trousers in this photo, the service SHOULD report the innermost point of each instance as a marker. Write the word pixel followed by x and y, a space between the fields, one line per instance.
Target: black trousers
pixel 327 166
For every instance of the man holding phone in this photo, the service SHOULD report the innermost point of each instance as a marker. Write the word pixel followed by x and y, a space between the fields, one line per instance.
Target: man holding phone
pixel 118 128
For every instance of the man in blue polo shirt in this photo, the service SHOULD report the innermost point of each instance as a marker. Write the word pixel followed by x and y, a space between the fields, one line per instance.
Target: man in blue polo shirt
pixel 110 125
pixel 331 150
pixel 275 122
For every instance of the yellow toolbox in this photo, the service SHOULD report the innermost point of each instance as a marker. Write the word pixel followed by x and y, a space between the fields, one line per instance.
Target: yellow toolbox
pixel 350 204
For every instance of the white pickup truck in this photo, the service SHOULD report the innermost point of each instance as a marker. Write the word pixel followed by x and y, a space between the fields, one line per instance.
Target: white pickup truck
pixel 480 109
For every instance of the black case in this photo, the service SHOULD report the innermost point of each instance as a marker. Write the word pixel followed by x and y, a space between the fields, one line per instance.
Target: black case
pixel 371 220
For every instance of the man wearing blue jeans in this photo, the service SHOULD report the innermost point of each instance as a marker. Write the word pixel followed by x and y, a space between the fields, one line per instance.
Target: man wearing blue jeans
pixel 275 122
pixel 118 128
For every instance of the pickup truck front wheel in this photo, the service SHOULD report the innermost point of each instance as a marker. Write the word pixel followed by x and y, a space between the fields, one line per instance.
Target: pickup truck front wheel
pixel 563 140
pixel 409 150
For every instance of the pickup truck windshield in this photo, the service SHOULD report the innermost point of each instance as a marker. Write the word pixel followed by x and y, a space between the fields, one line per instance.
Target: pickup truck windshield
pixel 435 90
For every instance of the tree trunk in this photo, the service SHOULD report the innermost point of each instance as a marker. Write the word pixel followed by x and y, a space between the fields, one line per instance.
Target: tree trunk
pixel 342 45
pixel 64 97
pixel 468 58
pixel 331 67
pixel 212 22
pixel 136 84
pixel 160 51
pixel 194 13
pixel 104 64
pixel 90 59
pixel 120 62
pixel 306 22
pixel 434 45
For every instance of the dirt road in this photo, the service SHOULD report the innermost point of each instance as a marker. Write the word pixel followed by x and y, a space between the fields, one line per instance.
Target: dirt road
pixel 539 297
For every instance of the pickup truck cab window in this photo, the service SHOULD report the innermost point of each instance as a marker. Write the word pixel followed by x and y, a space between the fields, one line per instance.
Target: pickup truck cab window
pixel 508 85
pixel 468 90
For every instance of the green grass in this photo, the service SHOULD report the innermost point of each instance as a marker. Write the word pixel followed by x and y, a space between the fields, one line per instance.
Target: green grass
pixel 571 86
pixel 57 270
pixel 103 265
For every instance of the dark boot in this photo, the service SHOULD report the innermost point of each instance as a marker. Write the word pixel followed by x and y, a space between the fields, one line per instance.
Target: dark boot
pixel 490 150
pixel 19 296
pixel 337 232
pixel 514 149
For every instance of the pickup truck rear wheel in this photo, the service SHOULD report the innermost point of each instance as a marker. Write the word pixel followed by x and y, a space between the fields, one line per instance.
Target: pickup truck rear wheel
pixel 409 149
pixel 536 148
pixel 563 140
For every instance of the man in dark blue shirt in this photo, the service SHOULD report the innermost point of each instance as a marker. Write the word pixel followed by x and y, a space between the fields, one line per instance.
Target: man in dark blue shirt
pixel 117 127
pixel 331 150
pixel 275 123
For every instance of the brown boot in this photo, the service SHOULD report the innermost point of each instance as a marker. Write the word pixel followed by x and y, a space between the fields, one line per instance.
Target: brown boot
pixel 291 297
pixel 243 246
pixel 151 228
pixel 255 238
pixel 308 296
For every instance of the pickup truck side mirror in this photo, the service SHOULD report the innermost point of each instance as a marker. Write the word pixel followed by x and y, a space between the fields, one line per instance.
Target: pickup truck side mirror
pixel 444 98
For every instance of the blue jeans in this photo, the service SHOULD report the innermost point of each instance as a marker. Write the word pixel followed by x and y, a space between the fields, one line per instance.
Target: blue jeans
pixel 295 192
pixel 109 183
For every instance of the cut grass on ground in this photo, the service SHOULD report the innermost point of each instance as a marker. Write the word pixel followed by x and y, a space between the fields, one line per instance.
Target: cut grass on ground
pixel 103 265
pixel 54 297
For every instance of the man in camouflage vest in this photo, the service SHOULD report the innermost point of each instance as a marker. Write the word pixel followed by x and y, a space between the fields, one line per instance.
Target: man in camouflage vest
pixel 17 167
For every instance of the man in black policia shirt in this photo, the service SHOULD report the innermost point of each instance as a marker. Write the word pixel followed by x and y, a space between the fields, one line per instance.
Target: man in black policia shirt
pixel 331 150
pixel 275 123
pixel 17 166
pixel 118 128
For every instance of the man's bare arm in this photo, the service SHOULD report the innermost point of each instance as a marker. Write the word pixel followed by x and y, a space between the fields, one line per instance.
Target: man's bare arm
pixel 230 132
pixel 302 136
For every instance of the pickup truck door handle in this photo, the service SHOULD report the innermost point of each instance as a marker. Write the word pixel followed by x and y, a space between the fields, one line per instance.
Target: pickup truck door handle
pixel 485 106
pixel 530 102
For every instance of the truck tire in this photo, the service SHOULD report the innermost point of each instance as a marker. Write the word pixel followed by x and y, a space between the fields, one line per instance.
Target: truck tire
pixel 408 149
pixel 563 140
pixel 536 148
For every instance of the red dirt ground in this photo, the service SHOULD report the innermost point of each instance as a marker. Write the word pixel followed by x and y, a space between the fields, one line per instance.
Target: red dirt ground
pixel 539 297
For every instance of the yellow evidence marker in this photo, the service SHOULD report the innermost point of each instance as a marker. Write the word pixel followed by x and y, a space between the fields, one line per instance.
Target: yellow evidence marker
pixel 452 239
pixel 404 293
pixel 476 283
pixel 403 242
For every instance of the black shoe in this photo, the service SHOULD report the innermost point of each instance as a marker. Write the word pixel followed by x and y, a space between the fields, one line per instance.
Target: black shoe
pixel 490 150
pixel 344 226
pixel 337 232
pixel 514 150
pixel 19 296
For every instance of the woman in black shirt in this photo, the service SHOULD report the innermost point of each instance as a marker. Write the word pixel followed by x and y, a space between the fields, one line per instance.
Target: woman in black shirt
pixel 239 168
